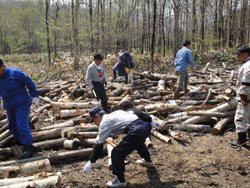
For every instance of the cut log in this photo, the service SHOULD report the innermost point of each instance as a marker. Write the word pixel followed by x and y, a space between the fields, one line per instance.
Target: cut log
pixel 212 114
pixel 126 101
pixel 70 105
pixel 49 144
pixel 73 134
pixel 25 169
pixel 72 113
pixel 168 106
pixel 39 180
pixel 190 127
pixel 87 142
pixel 221 108
pixel 5 141
pixel 71 144
pixel 69 123
pixel 5 134
pixel 5 153
pixel 161 136
pixel 219 127
pixel 70 155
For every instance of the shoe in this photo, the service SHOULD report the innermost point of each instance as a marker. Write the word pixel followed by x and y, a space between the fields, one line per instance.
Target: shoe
pixel 27 152
pixel 116 183
pixel 144 163
pixel 241 140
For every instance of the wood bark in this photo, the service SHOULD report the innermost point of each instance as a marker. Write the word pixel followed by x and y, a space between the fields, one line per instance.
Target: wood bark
pixel 221 125
pixel 25 169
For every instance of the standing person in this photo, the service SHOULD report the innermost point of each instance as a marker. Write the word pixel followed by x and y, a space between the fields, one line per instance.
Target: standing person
pixel 125 67
pixel 96 80
pixel 136 125
pixel 242 114
pixel 17 102
pixel 182 59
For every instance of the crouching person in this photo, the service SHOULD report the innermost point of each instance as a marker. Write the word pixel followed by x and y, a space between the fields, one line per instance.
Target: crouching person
pixel 137 126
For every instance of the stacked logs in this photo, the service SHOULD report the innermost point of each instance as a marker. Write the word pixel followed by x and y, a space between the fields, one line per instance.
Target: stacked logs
pixel 61 122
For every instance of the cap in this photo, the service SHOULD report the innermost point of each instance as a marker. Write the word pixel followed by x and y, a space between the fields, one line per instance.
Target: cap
pixel 98 56
pixel 93 112
pixel 243 49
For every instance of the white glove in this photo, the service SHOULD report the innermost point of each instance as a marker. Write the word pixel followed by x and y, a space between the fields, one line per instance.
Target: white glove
pixel 35 101
pixel 154 124
pixel 87 167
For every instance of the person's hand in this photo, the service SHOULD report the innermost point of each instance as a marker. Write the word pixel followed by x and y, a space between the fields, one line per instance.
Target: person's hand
pixel 35 101
pixel 87 167
pixel 104 83
pixel 244 100
pixel 154 124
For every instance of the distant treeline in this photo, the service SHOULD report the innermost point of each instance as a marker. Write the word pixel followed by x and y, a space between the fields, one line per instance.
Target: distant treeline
pixel 108 26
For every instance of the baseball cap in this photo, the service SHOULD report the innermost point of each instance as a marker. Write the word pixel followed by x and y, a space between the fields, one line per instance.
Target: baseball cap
pixel 243 49
pixel 93 112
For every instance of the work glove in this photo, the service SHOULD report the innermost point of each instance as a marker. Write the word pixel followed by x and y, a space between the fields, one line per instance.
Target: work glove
pixel 104 83
pixel 35 101
pixel 244 100
pixel 154 124
pixel 87 167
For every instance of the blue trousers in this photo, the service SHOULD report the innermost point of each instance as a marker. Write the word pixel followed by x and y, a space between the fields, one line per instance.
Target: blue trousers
pixel 19 124
pixel 137 133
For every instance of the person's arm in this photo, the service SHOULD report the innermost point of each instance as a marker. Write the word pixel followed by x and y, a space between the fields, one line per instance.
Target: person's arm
pixel 88 77
pixel 27 81
pixel 131 62
pixel 244 90
pixel 190 58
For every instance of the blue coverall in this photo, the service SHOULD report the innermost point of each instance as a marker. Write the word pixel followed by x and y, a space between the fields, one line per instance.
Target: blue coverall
pixel 125 60
pixel 17 102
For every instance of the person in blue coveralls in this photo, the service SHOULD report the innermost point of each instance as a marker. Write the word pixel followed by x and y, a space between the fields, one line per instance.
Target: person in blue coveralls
pixel 17 102
pixel 182 60
pixel 124 66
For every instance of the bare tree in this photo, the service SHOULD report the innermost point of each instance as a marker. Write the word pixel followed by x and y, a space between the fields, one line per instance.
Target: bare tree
pixel 153 36
pixel 75 13
pixel 47 4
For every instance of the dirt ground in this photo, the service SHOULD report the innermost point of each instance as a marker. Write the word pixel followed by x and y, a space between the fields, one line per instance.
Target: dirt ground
pixel 205 161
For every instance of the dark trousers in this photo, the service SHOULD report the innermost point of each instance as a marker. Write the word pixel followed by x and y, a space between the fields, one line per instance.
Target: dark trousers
pixel 101 93
pixel 137 133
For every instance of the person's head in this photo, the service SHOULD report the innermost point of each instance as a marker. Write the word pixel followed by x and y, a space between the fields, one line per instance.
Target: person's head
pixel 98 59
pixel 2 67
pixel 187 43
pixel 95 115
pixel 243 53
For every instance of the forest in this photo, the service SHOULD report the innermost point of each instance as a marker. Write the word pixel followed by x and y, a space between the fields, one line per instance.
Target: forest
pixel 108 26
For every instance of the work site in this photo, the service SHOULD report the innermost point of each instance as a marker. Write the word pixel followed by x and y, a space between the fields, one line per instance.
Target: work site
pixel 139 94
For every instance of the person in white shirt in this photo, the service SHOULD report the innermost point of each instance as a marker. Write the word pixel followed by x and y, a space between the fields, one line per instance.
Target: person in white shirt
pixel 137 125
pixel 242 114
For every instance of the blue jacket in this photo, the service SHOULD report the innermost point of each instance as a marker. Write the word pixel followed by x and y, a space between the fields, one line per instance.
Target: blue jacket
pixel 125 60
pixel 13 90
pixel 183 58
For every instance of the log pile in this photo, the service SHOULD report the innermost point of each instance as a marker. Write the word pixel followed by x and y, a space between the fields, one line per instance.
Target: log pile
pixel 61 122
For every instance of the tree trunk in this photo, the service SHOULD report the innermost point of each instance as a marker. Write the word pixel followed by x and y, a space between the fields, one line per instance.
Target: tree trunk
pixel 47 3
pixel 153 37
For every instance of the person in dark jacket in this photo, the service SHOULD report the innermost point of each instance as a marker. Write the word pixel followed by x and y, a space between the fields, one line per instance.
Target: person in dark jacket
pixel 17 102
pixel 124 66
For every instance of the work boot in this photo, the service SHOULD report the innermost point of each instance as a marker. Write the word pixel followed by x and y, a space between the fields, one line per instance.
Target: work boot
pixel 27 153
pixel 177 93
pixel 241 139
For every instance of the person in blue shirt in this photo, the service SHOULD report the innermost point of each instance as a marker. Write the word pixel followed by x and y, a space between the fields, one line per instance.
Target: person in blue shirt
pixel 124 66
pixel 182 60
pixel 17 102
